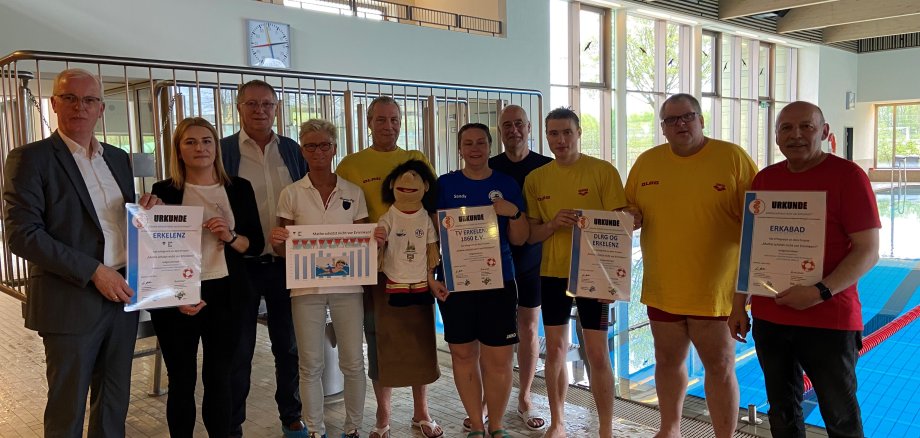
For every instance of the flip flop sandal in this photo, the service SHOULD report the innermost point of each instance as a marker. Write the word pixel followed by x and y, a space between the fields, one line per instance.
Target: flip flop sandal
pixel 468 425
pixel 475 434
pixel 500 433
pixel 431 425
pixel 382 432
pixel 528 417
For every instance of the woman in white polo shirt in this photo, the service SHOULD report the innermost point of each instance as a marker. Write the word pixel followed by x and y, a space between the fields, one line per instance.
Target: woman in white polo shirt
pixel 321 198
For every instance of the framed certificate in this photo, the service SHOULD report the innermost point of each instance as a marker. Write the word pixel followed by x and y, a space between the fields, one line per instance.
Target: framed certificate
pixel 470 248
pixel 782 241
pixel 601 262
pixel 331 255
pixel 164 256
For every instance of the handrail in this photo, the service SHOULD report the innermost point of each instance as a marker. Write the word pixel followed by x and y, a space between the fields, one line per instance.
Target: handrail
pixel 402 12
pixel 38 55
pixel 897 194
pixel 13 293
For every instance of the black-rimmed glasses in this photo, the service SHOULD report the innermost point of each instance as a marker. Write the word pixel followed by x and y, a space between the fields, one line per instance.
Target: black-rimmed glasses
pixel 312 147
pixel 686 118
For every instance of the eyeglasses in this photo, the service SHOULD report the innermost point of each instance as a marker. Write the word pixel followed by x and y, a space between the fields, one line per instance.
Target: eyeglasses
pixel 312 147
pixel 71 99
pixel 253 105
pixel 686 118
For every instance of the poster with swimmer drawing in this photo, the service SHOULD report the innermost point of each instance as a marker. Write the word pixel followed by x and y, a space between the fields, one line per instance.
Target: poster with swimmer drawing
pixel 331 255
pixel 782 241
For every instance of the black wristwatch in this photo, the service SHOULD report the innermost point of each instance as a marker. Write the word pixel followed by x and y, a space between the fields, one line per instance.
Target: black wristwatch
pixel 233 237
pixel 516 216
pixel 825 292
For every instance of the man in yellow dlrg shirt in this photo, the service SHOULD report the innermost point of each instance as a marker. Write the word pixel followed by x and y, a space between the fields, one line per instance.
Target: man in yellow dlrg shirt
pixel 690 193
pixel 553 192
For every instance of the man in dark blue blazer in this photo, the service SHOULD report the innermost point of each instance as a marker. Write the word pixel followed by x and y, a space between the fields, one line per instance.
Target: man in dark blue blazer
pixel 270 162
pixel 64 213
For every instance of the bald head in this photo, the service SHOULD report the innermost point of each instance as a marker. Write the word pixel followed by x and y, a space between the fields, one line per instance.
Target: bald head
pixel 801 106
pixel 514 127
pixel 800 130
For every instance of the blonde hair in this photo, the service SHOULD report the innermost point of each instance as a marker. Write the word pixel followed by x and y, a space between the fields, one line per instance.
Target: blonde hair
pixel 177 166
pixel 318 125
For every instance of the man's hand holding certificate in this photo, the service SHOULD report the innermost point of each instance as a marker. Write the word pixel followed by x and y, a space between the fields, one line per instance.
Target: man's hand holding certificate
pixel 164 256
pixel 782 241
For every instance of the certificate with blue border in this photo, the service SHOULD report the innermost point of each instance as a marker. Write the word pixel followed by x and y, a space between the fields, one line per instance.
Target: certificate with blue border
pixel 164 256
pixel 601 262
pixel 470 248
pixel 323 256
pixel 782 241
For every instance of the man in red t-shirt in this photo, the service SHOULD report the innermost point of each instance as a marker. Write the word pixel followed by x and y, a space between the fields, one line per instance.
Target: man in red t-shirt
pixel 815 328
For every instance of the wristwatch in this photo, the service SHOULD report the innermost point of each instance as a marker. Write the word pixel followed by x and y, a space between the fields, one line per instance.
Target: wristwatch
pixel 825 292
pixel 233 237
pixel 516 216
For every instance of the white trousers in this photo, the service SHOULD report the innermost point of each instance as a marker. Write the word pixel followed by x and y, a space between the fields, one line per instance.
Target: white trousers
pixel 347 310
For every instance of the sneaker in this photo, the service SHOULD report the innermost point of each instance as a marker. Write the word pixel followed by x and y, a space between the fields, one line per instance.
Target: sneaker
pixel 314 435
pixel 352 434
pixel 296 429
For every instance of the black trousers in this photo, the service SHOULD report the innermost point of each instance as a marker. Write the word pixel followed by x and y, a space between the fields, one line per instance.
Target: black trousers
pixel 828 357
pixel 179 335
pixel 99 362
pixel 268 280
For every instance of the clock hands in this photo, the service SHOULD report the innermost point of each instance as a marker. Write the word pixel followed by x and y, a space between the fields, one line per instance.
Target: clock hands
pixel 267 44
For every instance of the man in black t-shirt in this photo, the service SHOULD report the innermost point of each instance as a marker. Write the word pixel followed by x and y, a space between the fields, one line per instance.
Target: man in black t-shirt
pixel 518 161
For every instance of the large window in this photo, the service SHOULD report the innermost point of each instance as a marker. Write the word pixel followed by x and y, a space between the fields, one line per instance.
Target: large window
pixel 581 72
pixel 743 80
pixel 756 80
pixel 654 70
pixel 897 136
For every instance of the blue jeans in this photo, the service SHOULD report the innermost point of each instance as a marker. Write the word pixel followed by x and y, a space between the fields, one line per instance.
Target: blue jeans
pixel 828 357
pixel 268 280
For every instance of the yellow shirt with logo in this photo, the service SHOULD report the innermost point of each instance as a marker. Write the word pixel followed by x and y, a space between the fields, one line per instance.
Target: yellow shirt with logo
pixel 588 183
pixel 691 225
pixel 368 168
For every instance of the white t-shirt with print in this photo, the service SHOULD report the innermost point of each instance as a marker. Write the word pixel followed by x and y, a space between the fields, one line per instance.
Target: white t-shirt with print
pixel 215 202
pixel 408 235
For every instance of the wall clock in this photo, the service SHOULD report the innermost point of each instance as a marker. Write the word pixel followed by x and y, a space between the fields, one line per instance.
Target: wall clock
pixel 269 44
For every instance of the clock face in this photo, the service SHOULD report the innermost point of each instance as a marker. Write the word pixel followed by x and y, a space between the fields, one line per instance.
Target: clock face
pixel 269 44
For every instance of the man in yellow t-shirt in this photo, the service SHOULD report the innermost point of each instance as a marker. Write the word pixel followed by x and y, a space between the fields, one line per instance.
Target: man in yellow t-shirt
pixel 690 193
pixel 368 169
pixel 553 192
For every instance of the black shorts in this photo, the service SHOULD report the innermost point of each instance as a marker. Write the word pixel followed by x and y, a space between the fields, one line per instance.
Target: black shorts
pixel 528 287
pixel 488 316
pixel 557 306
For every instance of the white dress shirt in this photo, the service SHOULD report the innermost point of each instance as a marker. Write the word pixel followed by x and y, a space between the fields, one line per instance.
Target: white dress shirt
pixel 107 199
pixel 268 175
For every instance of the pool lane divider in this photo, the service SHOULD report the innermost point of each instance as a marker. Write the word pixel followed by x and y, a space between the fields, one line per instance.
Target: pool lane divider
pixel 879 336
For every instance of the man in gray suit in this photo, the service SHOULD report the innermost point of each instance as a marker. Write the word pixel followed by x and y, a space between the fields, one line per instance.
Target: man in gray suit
pixel 64 213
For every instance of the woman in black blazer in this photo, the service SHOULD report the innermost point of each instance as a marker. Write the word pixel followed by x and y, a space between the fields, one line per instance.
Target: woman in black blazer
pixel 231 230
